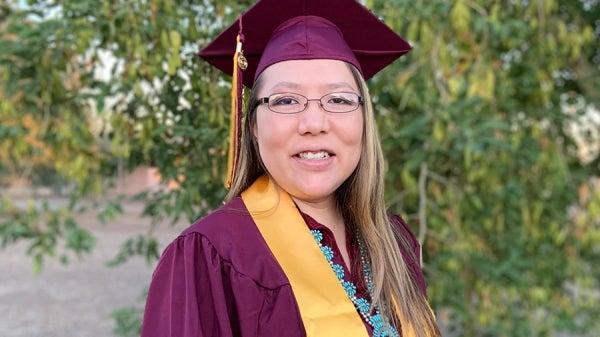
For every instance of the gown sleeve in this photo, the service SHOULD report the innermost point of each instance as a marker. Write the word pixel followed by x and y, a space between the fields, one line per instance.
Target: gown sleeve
pixel 194 292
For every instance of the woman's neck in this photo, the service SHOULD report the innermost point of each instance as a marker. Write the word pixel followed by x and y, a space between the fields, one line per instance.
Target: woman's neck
pixel 324 212
pixel 327 214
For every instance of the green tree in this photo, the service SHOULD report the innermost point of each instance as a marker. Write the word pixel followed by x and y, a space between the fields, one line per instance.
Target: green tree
pixel 472 120
pixel 486 167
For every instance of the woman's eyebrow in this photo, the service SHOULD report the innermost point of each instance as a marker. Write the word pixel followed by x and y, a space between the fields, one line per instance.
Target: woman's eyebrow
pixel 285 85
pixel 339 85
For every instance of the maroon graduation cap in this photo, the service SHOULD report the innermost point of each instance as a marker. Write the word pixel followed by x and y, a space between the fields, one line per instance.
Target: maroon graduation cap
pixel 272 31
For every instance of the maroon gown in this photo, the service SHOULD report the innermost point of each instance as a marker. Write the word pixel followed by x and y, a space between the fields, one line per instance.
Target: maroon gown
pixel 219 278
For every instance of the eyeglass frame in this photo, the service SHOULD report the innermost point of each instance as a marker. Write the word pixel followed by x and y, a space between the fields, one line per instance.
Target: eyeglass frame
pixel 266 99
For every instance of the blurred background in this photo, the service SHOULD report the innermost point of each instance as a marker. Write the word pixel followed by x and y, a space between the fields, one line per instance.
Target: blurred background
pixel 113 138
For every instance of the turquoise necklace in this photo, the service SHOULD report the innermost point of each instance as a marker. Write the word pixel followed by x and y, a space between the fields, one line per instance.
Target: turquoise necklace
pixel 381 328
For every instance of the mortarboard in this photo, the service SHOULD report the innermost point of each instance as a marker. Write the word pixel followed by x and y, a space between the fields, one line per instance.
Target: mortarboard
pixel 272 31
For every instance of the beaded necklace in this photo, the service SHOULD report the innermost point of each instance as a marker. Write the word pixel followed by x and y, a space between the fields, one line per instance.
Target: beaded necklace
pixel 381 327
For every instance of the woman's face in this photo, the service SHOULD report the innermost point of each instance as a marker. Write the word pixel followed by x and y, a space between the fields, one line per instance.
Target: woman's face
pixel 310 153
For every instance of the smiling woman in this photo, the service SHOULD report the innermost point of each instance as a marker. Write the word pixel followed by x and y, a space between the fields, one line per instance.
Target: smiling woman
pixel 310 153
pixel 304 245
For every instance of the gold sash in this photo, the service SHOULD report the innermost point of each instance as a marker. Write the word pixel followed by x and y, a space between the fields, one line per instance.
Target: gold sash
pixel 324 306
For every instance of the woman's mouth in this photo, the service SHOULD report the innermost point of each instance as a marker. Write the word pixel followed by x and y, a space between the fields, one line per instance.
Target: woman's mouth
pixel 313 155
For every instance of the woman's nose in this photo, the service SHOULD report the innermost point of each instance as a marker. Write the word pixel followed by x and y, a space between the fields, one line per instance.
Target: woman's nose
pixel 314 119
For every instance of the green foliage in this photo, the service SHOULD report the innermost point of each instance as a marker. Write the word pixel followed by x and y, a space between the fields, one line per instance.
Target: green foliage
pixel 137 246
pixel 473 124
pixel 480 111
pixel 46 228
pixel 128 322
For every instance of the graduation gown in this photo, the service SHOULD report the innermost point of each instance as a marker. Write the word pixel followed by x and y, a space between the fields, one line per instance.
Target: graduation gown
pixel 219 278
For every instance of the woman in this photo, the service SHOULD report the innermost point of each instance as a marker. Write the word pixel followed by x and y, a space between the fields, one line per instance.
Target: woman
pixel 303 246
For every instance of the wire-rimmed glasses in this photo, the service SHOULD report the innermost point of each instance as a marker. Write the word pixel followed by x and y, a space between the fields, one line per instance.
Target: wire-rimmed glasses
pixel 291 103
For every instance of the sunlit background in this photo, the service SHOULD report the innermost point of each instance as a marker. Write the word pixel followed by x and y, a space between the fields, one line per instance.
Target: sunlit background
pixel 113 138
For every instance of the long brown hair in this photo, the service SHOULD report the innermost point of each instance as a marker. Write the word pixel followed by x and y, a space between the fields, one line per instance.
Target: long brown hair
pixel 361 201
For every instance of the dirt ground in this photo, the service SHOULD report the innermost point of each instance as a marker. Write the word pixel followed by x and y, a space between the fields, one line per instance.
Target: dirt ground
pixel 75 300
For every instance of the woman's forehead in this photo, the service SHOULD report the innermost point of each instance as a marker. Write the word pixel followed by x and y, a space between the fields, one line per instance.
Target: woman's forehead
pixel 322 74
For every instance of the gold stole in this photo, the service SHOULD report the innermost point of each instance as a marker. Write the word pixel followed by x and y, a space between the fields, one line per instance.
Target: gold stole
pixel 324 306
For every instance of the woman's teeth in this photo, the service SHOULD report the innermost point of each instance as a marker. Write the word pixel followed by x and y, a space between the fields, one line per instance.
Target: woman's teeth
pixel 313 155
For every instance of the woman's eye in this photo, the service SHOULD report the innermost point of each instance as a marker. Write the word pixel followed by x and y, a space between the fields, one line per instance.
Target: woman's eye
pixel 339 100
pixel 285 101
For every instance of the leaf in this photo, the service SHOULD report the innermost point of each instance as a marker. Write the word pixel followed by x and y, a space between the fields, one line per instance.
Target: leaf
pixel 175 38
pixel 460 16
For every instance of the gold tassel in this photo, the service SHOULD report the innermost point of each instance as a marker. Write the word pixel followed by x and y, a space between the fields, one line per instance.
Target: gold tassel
pixel 239 64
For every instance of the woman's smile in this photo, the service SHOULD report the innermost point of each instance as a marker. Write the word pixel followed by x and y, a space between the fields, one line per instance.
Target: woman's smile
pixel 309 153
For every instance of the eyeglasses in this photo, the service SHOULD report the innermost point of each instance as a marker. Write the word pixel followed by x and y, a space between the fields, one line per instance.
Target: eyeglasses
pixel 291 103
